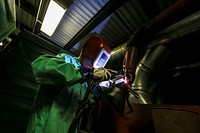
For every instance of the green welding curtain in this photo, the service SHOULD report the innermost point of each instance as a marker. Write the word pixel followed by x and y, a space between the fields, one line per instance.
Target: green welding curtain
pixel 7 18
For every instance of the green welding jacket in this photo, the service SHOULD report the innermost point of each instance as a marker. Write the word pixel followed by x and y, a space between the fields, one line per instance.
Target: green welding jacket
pixel 59 95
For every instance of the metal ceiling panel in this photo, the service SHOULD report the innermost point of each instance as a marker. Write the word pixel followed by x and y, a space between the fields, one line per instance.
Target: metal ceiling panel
pixel 76 16
pixel 119 26
pixel 115 29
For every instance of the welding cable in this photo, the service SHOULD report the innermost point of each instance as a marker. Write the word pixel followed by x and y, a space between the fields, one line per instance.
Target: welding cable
pixel 81 108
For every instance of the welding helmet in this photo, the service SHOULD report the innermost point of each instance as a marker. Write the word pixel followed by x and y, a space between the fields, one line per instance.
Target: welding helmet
pixel 95 53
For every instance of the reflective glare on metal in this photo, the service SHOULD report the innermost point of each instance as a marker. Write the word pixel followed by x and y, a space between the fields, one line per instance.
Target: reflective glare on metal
pixel 119 79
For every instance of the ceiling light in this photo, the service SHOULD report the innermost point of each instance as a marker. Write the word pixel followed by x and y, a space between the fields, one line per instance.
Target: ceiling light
pixel 1 44
pixel 52 18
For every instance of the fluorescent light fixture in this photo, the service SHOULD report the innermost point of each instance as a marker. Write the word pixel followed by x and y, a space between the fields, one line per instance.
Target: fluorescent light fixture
pixel 52 18
pixel 1 44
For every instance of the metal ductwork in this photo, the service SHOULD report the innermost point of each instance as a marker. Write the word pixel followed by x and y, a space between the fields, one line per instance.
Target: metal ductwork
pixel 176 31
pixel 154 57
pixel 116 57
pixel 184 27
pixel 147 65
pixel 145 34
pixel 176 15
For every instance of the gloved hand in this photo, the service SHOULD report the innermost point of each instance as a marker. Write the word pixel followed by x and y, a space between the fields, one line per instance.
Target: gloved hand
pixel 99 74
pixel 104 86
pixel 103 73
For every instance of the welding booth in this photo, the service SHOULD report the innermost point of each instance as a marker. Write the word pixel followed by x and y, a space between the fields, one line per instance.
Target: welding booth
pixel 165 95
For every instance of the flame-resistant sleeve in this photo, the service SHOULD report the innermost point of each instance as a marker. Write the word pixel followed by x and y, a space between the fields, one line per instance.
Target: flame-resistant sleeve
pixel 53 70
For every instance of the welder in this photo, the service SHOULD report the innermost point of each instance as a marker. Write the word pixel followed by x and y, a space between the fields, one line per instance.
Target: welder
pixel 63 82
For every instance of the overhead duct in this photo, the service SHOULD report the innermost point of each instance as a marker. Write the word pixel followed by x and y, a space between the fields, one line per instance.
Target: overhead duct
pixel 147 65
pixel 116 58
pixel 154 57
pixel 173 14
pixel 186 26
pixel 145 34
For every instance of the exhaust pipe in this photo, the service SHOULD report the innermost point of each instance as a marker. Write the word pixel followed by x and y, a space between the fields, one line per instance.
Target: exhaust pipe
pixel 153 58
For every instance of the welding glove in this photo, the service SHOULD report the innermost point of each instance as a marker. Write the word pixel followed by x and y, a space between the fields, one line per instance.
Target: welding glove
pixel 99 74
pixel 103 73
pixel 102 87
